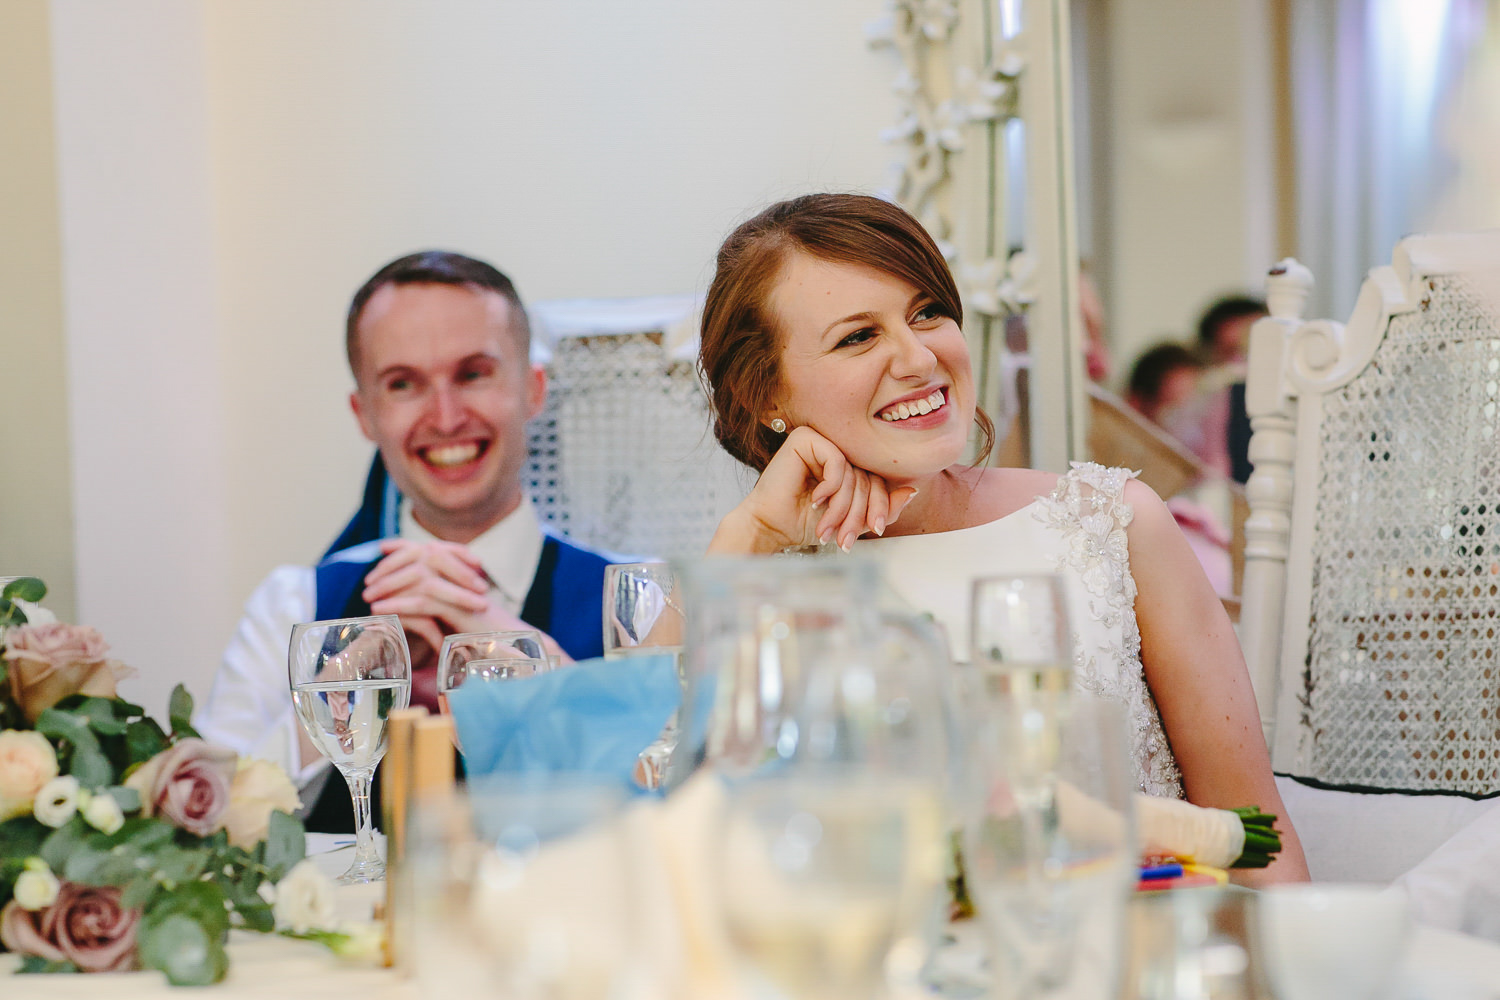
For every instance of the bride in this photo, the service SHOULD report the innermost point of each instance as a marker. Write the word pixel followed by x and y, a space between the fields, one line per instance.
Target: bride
pixel 837 369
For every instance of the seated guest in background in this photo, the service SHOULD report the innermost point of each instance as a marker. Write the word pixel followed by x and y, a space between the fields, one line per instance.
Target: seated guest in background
pixel 1224 329
pixel 1171 387
pixel 1163 379
pixel 1224 339
pixel 1165 388
pixel 439 346
pixel 838 370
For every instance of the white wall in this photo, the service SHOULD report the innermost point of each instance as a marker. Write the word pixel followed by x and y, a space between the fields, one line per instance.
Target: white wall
pixel 36 508
pixel 230 172
pixel 1190 187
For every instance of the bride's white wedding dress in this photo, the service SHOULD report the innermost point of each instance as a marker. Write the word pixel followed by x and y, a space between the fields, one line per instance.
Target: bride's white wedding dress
pixel 1078 532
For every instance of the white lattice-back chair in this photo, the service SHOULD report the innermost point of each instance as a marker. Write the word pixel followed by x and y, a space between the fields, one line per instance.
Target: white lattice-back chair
pixel 1371 619
pixel 622 457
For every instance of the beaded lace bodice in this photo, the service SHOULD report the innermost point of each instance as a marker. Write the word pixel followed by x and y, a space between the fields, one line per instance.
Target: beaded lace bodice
pixel 1077 531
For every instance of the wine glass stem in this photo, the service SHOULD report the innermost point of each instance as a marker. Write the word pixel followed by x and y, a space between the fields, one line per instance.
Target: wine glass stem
pixel 364 833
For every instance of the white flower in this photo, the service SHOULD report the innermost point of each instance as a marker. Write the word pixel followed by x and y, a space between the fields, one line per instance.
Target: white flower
pixel 304 899
pixel 103 813
pixel 37 887
pixel 56 801
pixel 36 614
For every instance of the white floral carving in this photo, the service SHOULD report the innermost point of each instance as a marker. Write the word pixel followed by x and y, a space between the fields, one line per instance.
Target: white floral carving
pixel 931 132
pixel 997 288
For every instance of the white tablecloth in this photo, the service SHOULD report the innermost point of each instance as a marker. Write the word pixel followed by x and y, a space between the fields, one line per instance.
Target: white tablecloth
pixel 1440 965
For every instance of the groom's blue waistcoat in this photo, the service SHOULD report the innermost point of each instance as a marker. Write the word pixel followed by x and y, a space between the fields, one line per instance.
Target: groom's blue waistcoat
pixel 566 599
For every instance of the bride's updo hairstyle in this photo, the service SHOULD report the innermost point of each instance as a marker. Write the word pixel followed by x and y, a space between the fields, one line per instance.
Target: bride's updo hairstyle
pixel 739 355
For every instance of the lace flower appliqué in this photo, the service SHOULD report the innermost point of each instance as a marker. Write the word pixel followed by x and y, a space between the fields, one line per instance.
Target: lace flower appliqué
pixel 1088 509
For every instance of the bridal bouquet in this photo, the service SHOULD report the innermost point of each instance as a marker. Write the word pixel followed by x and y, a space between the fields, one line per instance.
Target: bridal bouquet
pixel 124 845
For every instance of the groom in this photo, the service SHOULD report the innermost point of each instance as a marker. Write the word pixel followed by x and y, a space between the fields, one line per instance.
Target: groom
pixel 445 536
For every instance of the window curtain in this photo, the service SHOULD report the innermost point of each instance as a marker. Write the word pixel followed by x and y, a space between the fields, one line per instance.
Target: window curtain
pixel 1380 89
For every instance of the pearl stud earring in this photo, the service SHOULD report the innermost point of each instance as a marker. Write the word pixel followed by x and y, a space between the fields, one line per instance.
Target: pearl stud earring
pixel 778 425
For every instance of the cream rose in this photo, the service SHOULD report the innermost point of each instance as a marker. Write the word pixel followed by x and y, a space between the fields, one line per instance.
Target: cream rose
pixel 27 763
pixel 50 662
pixel 259 788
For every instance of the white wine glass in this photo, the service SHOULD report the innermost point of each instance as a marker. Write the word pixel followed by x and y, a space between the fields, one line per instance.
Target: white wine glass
pixel 347 676
pixel 643 617
pixel 488 657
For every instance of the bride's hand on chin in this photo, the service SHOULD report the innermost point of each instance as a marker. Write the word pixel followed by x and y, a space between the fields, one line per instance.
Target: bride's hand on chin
pixel 809 493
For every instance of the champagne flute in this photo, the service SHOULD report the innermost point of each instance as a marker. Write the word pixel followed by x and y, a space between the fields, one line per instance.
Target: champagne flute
pixel 347 676
pixel 643 617
pixel 1050 850
pixel 484 657
pixel 1022 650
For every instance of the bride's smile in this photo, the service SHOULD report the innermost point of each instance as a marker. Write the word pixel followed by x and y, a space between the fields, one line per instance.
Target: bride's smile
pixel 871 362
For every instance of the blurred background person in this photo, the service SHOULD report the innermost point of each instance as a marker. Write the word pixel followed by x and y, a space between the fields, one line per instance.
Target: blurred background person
pixel 1163 379
pixel 1224 339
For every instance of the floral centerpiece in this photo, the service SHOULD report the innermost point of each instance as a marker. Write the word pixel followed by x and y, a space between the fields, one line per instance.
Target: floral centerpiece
pixel 124 845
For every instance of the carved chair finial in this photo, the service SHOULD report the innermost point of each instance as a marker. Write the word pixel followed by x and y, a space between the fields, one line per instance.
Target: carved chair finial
pixel 1287 288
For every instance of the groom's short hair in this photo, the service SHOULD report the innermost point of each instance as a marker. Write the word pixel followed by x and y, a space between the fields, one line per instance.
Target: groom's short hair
pixel 433 267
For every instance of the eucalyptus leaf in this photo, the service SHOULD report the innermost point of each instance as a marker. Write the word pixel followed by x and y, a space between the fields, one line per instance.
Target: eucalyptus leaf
pixel 25 588
pixel 144 739
pixel 128 799
pixel 98 712
pixel 286 844
pixel 91 865
pixel 179 864
pixel 180 712
pixel 63 841
pixel 126 710
pixel 34 964
pixel 86 761
pixel 257 916
pixel 180 947
pixel 22 837
pixel 143 834
pixel 11 613
pixel 202 901
pixel 138 893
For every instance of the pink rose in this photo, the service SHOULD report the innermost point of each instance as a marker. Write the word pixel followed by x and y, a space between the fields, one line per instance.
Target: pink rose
pixel 86 925
pixel 50 662
pixel 188 783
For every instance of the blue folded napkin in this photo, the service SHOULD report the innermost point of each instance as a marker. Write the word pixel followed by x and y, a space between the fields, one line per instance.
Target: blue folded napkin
pixel 591 718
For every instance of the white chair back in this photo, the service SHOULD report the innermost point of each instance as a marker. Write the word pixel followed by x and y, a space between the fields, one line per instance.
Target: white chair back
pixel 622 457
pixel 1371 616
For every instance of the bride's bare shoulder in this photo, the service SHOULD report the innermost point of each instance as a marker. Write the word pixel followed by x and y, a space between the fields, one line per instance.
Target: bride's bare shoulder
pixel 1003 491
